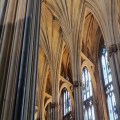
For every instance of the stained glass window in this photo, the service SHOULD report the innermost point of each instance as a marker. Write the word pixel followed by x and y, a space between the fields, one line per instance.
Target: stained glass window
pixel 67 102
pixel 88 107
pixel 108 85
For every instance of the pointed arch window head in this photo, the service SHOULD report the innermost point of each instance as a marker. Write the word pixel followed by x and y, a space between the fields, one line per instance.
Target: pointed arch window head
pixel 87 96
pixel 67 102
pixel 108 85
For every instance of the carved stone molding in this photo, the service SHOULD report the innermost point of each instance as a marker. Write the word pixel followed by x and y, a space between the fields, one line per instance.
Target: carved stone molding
pixel 77 83
pixel 112 49
pixel 53 105
pixel 119 46
pixel 81 84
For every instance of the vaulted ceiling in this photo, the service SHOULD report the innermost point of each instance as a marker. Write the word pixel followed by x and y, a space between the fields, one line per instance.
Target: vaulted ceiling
pixel 61 36
pixel 64 30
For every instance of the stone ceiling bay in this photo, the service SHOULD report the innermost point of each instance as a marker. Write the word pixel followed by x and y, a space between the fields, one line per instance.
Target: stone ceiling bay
pixel 68 14
pixel 52 44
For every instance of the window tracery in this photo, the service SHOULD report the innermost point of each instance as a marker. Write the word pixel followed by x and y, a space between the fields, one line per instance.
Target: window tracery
pixel 88 107
pixel 108 85
pixel 67 105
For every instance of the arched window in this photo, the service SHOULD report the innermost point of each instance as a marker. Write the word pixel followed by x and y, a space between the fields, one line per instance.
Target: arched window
pixel 67 105
pixel 108 85
pixel 88 108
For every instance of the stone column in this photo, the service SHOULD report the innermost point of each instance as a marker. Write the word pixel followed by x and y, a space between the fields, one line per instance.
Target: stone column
pixel 114 64
pixel 77 86
pixel 41 90
pixel 48 112
pixel 100 94
pixel 3 11
pixel 6 51
pixel 52 111
pixel 95 103
pixel 26 88
pixel 61 109
pixel 113 49
pixel 14 64
pixel 55 93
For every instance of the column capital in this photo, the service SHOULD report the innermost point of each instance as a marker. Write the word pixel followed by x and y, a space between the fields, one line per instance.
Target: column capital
pixel 54 105
pixel 77 83
pixel 112 49
pixel 119 46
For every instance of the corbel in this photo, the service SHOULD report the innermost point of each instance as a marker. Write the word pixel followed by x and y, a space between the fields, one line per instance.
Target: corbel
pixel 112 49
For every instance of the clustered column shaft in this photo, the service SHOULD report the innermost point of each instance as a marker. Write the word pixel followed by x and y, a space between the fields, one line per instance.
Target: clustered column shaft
pixel 19 58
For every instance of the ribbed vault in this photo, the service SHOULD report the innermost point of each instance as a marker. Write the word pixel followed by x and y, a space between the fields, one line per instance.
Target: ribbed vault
pixel 69 28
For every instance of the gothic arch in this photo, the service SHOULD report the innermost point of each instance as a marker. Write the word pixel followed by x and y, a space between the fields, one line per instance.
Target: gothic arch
pixel 48 101
pixel 65 85
pixel 96 11
pixel 79 25
pixel 91 71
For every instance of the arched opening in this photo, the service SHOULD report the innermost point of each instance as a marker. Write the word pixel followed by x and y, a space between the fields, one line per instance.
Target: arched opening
pixel 91 35
pixel 107 82
pixel 87 95
pixel 65 105
pixel 76 74
pixel 91 42
pixel 66 100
